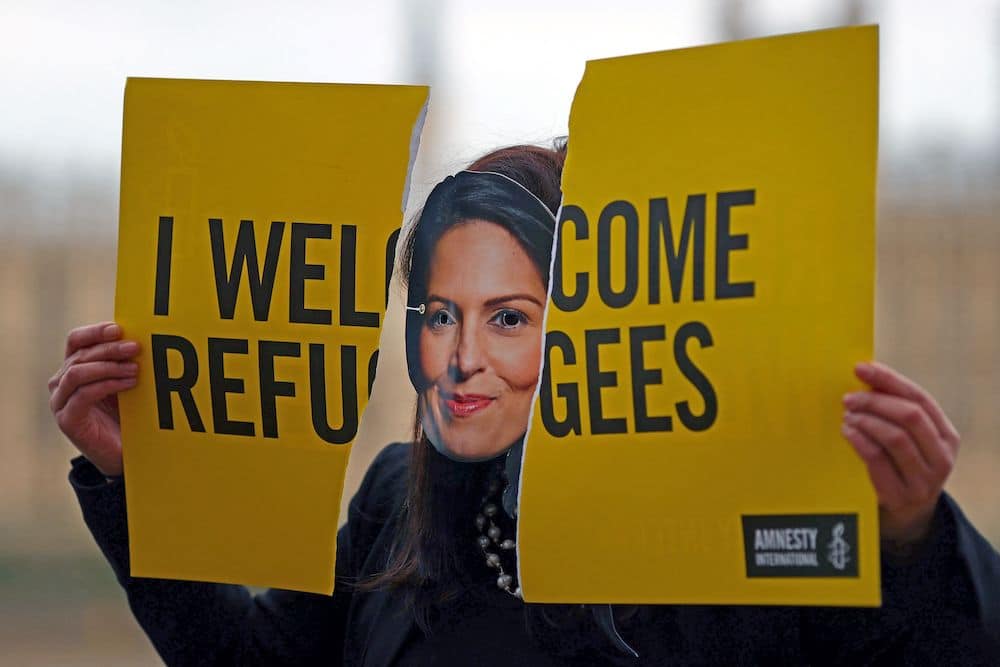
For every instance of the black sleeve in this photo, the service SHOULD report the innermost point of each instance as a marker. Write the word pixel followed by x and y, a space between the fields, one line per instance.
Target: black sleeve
pixel 195 623
pixel 939 606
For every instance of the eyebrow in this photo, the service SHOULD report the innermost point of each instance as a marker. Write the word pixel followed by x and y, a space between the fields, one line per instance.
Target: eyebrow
pixel 495 301
pixel 440 299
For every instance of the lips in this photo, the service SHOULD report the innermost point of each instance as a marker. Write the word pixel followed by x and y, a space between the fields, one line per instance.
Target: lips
pixel 466 405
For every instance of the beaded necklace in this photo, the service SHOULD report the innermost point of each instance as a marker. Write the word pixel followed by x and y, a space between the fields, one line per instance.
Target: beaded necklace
pixel 495 547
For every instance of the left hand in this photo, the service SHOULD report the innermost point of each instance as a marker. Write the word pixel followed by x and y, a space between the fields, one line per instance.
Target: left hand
pixel 909 446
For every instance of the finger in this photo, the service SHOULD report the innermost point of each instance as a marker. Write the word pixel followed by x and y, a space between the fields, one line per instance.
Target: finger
pixel 883 378
pixel 881 471
pixel 90 335
pixel 122 350
pixel 910 416
pixel 900 447
pixel 82 374
pixel 78 405
pixel 114 351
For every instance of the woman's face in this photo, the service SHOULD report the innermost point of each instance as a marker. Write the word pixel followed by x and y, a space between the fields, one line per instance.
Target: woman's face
pixel 480 344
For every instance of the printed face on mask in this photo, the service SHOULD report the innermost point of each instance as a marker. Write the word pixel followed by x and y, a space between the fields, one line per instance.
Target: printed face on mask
pixel 481 341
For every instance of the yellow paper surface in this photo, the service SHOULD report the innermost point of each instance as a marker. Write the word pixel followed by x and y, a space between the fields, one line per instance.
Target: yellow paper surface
pixel 321 164
pixel 780 136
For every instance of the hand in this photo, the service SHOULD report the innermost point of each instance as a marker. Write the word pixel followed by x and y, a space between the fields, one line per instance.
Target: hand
pixel 909 446
pixel 83 394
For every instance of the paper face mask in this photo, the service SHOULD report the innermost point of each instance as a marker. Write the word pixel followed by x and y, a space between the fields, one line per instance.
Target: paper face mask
pixel 478 282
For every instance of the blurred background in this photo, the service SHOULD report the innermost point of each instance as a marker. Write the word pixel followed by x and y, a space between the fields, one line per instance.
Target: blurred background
pixel 500 73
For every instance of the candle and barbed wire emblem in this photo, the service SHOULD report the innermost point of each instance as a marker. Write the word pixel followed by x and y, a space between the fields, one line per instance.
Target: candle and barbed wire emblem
pixel 838 548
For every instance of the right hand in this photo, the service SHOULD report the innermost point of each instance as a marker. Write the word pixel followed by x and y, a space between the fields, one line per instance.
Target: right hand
pixel 83 394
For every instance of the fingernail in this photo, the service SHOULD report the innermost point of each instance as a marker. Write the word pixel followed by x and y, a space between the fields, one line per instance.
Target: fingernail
pixel 130 367
pixel 130 381
pixel 129 347
pixel 864 371
pixel 112 331
pixel 846 430
pixel 851 400
pixel 852 418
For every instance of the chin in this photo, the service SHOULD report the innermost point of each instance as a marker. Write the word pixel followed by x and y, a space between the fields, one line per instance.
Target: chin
pixel 469 449
pixel 467 440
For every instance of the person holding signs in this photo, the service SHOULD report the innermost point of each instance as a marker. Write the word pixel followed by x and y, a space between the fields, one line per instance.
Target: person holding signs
pixel 426 566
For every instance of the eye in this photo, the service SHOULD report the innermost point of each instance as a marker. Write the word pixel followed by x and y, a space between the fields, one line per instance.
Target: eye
pixel 509 319
pixel 440 318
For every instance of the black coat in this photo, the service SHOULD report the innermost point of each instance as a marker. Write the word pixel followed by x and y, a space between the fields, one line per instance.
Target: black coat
pixel 942 607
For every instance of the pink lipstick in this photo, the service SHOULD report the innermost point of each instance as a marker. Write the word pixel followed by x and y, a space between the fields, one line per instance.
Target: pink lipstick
pixel 465 405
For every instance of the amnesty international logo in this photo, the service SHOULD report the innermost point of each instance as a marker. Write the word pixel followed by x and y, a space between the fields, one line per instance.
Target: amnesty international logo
pixel 838 548
pixel 801 545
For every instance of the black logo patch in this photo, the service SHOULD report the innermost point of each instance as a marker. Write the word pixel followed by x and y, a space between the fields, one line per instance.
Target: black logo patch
pixel 801 545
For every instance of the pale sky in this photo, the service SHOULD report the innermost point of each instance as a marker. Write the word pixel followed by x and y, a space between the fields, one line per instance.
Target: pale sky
pixel 507 72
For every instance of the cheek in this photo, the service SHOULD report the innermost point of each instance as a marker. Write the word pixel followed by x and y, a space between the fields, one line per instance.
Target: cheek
pixel 434 352
pixel 517 362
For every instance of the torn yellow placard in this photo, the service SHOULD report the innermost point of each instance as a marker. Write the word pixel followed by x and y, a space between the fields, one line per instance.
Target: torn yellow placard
pixel 257 229
pixel 713 290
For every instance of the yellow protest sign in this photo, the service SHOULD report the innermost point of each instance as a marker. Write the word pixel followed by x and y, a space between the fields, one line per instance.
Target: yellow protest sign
pixel 257 232
pixel 711 292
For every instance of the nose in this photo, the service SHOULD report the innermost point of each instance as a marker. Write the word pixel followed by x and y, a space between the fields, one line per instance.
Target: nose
pixel 470 354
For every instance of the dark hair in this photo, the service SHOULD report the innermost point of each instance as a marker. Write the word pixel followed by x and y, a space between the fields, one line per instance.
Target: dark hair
pixel 455 201
pixel 430 556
